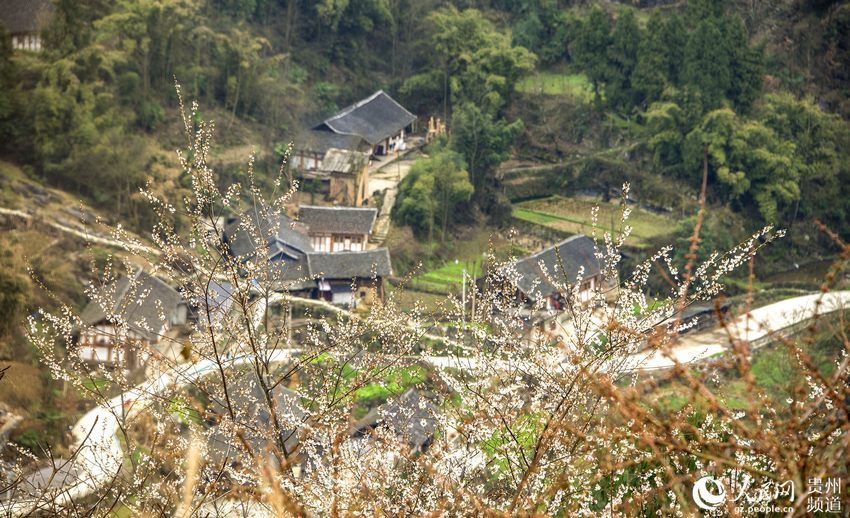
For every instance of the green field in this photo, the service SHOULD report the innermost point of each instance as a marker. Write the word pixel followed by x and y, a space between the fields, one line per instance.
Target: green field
pixel 574 216
pixel 448 277
pixel 551 83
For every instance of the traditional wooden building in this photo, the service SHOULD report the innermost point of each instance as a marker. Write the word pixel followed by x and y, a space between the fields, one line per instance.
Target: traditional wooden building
pixel 571 261
pixel 377 125
pixel 343 176
pixel 323 255
pixel 24 20
pixel 312 145
pixel 147 306
pixel 338 229
pixel 350 278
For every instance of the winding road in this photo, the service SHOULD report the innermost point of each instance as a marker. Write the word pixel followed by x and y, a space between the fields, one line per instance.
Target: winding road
pixel 99 457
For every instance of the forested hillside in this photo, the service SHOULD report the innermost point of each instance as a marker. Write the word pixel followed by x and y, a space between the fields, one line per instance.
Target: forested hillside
pixel 761 86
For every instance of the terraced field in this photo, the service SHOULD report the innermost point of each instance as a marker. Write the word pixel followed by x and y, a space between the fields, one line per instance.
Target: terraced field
pixel 574 215
pixel 553 83
pixel 447 278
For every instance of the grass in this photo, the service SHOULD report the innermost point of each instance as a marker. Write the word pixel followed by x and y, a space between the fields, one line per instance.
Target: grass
pixel 574 216
pixel 553 83
pixel 95 384
pixel 773 369
pixel 451 273
pixel 394 383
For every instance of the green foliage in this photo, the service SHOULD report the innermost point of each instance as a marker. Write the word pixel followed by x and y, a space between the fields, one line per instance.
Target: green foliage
pixel 544 29
pixel 623 58
pixel 484 142
pixel 431 192
pixel 648 79
pixel 590 50
pixel 707 62
pixel 665 130
pixel 479 64
pixel 821 153
pixel 746 157
pixel 721 229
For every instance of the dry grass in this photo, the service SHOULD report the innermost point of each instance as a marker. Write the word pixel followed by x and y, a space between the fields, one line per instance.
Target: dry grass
pixel 21 386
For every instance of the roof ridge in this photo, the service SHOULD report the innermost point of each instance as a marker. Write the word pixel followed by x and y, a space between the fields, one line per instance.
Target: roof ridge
pixel 398 104
pixel 348 109
pixel 335 207
pixel 123 293
pixel 567 240
pixel 341 252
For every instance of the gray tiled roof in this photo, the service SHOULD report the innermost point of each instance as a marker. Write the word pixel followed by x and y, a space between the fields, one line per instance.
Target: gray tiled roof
pixel 281 235
pixel 348 265
pixel 294 261
pixel 294 274
pixel 575 252
pixel 374 118
pixel 136 302
pixel 22 16
pixel 410 416
pixel 249 404
pixel 338 220
pixel 320 141
pixel 343 161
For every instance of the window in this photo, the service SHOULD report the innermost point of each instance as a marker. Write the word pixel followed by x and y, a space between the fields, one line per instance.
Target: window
pixel 348 243
pixel 321 243
pixel 95 354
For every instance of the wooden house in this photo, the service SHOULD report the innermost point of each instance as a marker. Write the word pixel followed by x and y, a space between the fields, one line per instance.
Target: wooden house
pixel 323 255
pixel 148 308
pixel 376 125
pixel 338 229
pixel 24 20
pixel 571 261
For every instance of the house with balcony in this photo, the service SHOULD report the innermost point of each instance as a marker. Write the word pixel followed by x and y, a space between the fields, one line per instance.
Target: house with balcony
pixel 543 276
pixel 127 318
pixel 376 125
pixel 322 255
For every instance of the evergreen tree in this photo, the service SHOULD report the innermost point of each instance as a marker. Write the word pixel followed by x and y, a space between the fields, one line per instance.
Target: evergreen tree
pixel 649 77
pixel 591 49
pixel 623 56
pixel 707 63
pixel 747 65
pixel 674 38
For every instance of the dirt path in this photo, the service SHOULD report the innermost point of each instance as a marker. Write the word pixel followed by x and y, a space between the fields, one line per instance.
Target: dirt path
pixel 135 246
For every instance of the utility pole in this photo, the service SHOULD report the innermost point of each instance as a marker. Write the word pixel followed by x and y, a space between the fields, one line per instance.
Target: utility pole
pixel 289 324
pixel 463 297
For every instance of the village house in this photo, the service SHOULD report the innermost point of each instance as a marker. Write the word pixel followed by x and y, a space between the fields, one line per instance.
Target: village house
pixel 342 176
pixel 140 302
pixel 410 417
pixel 324 255
pixel 571 261
pixel 376 125
pixel 337 229
pixel 24 20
